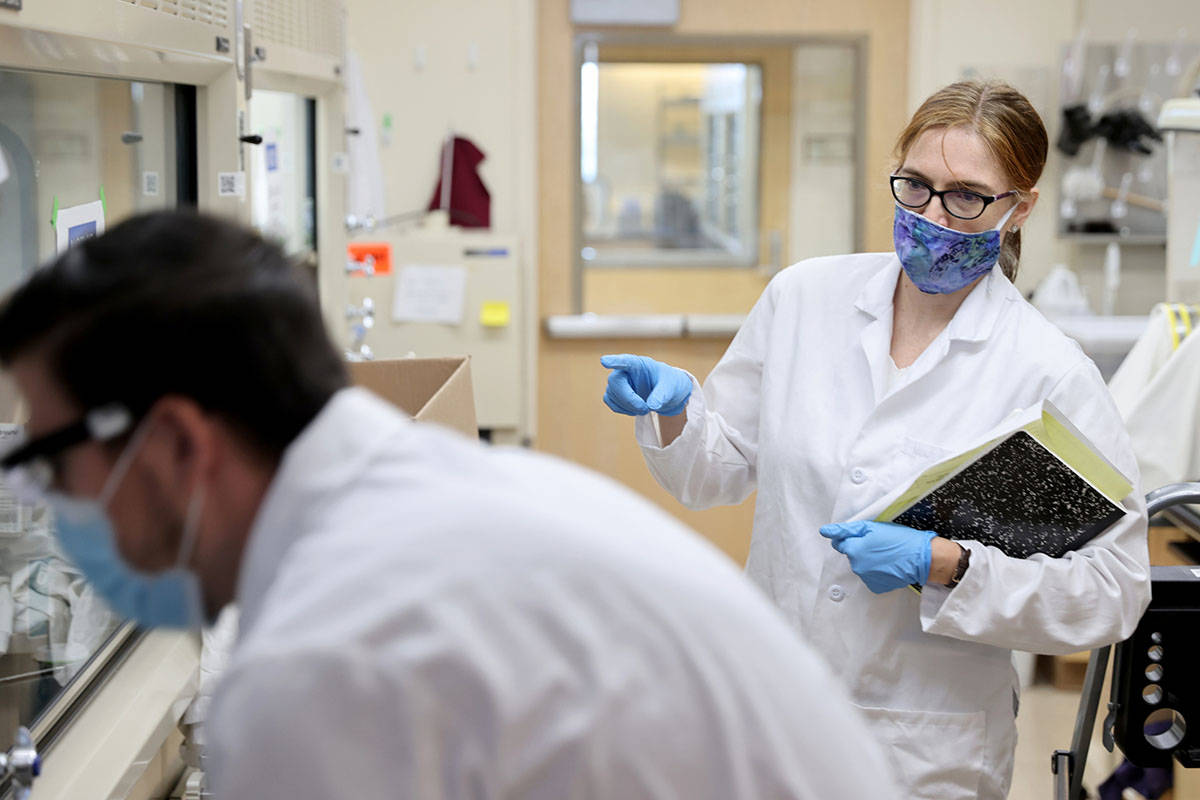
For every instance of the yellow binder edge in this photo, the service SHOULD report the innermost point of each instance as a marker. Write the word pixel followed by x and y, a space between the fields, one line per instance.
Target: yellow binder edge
pixel 1060 439
pixel 1055 433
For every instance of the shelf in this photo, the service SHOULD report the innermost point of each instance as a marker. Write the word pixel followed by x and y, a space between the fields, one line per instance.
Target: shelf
pixel 643 326
pixel 1140 240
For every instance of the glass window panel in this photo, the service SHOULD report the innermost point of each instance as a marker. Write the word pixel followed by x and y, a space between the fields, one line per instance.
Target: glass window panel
pixel 669 162
pixel 64 141
pixel 283 186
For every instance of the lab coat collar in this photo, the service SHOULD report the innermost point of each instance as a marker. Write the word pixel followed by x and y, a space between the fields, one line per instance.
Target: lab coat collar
pixel 875 299
pixel 324 460
pixel 973 322
pixel 976 317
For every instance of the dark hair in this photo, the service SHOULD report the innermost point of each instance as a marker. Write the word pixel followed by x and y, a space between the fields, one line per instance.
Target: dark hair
pixel 174 302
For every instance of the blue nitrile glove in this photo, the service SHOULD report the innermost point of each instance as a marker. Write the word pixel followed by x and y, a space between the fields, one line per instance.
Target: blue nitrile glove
pixel 638 385
pixel 884 555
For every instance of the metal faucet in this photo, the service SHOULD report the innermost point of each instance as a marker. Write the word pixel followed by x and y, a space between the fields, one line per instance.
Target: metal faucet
pixel 362 319
pixel 356 223
pixel 366 266
pixel 21 763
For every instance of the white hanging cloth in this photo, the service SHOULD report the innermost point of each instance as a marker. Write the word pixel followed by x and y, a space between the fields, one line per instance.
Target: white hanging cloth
pixel 1157 390
pixel 364 192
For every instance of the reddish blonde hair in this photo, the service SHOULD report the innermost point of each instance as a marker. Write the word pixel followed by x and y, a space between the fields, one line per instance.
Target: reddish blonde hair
pixel 1009 126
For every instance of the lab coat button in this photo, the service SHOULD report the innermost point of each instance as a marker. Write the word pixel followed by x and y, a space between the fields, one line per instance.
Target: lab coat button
pixel 836 593
pixel 858 476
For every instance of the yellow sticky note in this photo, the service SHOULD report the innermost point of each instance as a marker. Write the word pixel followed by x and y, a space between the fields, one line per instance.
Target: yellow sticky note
pixel 495 314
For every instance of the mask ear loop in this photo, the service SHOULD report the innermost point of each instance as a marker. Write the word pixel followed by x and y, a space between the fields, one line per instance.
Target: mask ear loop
pixel 191 520
pixel 124 462
pixel 187 547
pixel 191 528
pixel 1004 220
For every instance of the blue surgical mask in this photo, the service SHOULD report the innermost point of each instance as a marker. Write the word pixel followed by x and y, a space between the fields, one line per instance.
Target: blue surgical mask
pixel 168 599
pixel 941 260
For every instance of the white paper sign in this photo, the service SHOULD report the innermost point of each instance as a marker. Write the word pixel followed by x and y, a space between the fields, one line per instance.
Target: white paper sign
pixel 77 223
pixel 14 514
pixel 277 215
pixel 426 293
pixel 231 184
pixel 150 183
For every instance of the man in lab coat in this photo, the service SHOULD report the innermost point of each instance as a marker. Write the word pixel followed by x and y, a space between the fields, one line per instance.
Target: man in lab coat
pixel 421 617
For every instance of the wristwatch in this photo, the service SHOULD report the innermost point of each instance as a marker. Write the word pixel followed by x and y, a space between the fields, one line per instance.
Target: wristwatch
pixel 964 561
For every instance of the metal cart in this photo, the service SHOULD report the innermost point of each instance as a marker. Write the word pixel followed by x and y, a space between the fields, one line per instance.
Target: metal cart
pixel 1175 583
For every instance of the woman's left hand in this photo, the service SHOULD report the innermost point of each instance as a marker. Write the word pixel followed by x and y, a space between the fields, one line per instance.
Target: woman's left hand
pixel 884 555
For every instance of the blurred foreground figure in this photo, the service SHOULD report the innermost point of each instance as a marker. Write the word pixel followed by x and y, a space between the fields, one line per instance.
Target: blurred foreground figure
pixel 421 617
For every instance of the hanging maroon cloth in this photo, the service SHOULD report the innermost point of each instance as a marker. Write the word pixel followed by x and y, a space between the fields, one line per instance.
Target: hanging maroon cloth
pixel 470 202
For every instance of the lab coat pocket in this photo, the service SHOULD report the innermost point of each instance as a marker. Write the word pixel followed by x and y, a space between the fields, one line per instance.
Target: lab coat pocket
pixel 936 755
pixel 922 454
pixel 910 458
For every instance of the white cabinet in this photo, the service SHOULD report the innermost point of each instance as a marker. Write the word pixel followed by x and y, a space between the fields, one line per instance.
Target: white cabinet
pixel 494 289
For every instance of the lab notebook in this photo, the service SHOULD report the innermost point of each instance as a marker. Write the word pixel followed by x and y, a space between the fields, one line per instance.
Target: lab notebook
pixel 1037 486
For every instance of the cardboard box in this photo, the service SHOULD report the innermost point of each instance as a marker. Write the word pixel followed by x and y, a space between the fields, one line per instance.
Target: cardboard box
pixel 427 389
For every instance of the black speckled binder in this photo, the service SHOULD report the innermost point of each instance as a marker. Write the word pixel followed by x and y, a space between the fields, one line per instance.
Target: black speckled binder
pixel 1018 497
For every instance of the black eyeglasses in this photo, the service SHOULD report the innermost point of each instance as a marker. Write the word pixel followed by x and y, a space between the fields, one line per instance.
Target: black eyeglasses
pixel 960 203
pixel 29 468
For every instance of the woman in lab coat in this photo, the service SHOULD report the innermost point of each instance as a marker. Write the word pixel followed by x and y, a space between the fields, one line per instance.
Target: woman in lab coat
pixel 853 373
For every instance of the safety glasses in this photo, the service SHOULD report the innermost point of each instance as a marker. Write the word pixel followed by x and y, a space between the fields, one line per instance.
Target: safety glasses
pixel 30 468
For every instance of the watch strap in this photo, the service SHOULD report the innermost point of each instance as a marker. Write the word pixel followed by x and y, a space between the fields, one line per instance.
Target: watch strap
pixel 964 561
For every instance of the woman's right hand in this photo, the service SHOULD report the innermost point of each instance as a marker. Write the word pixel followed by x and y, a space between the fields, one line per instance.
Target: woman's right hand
pixel 639 385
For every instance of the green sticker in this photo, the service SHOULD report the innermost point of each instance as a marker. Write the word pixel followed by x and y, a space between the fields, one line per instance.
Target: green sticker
pixel 103 201
pixel 387 121
pixel 54 213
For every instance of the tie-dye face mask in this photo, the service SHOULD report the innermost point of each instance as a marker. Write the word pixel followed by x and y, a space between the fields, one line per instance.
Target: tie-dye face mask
pixel 940 260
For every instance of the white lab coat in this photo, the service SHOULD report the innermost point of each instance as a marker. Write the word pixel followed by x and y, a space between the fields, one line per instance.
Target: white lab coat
pixel 799 409
pixel 426 618
pixel 1157 390
pixel 1153 349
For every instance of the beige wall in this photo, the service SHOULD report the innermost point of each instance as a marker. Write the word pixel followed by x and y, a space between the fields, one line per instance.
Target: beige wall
pixel 573 422
pixel 1155 20
pixel 946 47
pixel 452 65
pixel 466 66
pixel 1023 45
